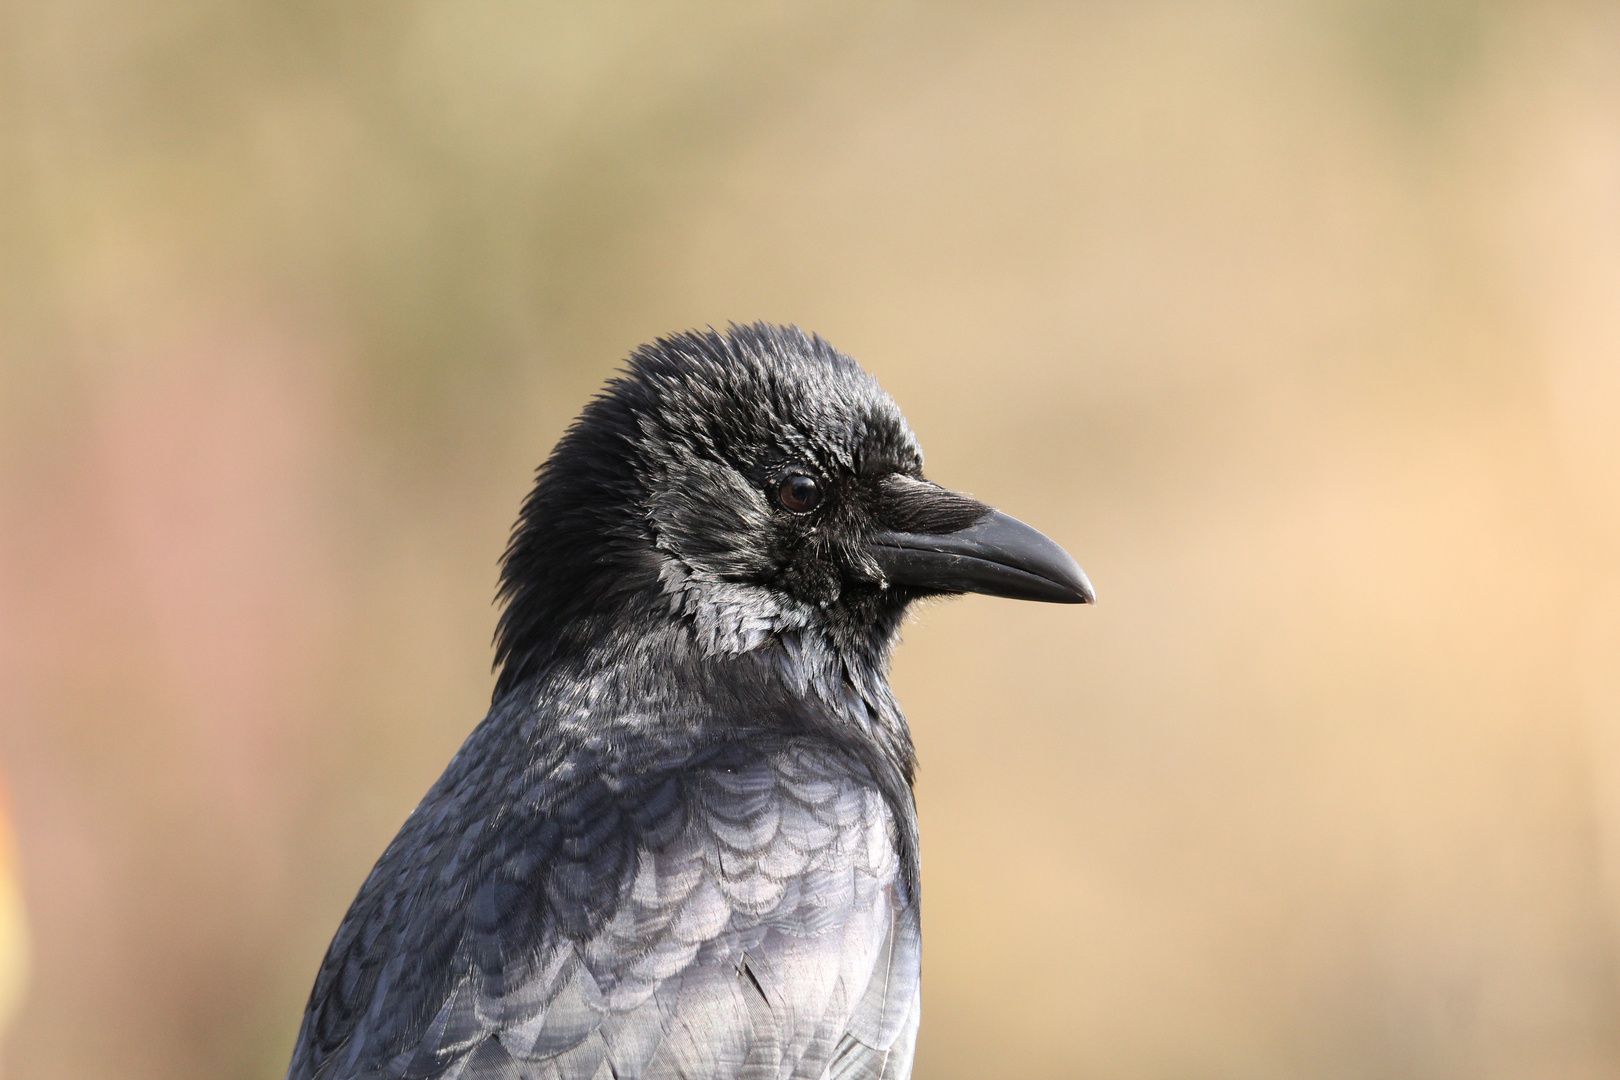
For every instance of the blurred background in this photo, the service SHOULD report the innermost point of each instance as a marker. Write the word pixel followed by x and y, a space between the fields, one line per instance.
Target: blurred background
pixel 1297 323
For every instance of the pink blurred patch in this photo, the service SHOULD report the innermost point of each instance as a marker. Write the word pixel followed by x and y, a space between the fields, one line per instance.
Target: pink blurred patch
pixel 213 451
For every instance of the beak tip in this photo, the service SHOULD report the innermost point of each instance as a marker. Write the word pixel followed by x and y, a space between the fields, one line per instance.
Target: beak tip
pixel 1081 590
pixel 1088 595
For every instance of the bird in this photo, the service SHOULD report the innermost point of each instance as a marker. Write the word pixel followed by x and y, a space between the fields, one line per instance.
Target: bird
pixel 683 841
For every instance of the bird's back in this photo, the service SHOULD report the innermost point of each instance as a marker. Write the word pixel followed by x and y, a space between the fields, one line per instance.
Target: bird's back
pixel 733 907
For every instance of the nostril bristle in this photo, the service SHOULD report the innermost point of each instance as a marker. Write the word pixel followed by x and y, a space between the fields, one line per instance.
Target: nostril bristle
pixel 910 505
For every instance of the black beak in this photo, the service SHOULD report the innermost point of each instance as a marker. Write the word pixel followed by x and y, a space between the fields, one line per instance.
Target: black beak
pixel 996 555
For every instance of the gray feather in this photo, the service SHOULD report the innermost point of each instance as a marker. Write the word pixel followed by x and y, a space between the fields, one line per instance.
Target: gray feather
pixel 771 935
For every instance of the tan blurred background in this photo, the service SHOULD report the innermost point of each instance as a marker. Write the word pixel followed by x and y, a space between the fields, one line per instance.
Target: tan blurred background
pixel 1299 324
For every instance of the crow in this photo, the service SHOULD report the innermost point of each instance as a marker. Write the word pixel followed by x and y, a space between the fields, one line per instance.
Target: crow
pixel 682 843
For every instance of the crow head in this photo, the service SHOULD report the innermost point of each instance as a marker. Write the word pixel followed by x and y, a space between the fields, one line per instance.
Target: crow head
pixel 738 486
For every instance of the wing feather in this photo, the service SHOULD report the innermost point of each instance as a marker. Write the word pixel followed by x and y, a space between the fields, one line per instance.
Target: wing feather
pixel 736 914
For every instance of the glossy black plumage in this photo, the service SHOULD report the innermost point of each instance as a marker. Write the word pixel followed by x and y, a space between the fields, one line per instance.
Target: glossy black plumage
pixel 682 843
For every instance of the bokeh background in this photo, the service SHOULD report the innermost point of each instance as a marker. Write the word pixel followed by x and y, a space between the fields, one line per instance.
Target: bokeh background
pixel 1298 323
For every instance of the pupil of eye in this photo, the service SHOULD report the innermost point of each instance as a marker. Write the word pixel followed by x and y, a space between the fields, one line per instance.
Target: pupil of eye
pixel 799 494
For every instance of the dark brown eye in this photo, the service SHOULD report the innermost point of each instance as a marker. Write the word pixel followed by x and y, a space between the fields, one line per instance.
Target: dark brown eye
pixel 799 493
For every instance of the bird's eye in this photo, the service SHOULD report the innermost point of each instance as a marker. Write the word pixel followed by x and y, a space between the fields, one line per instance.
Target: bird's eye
pixel 799 493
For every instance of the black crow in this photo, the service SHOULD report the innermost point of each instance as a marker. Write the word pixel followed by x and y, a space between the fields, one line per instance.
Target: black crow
pixel 682 843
